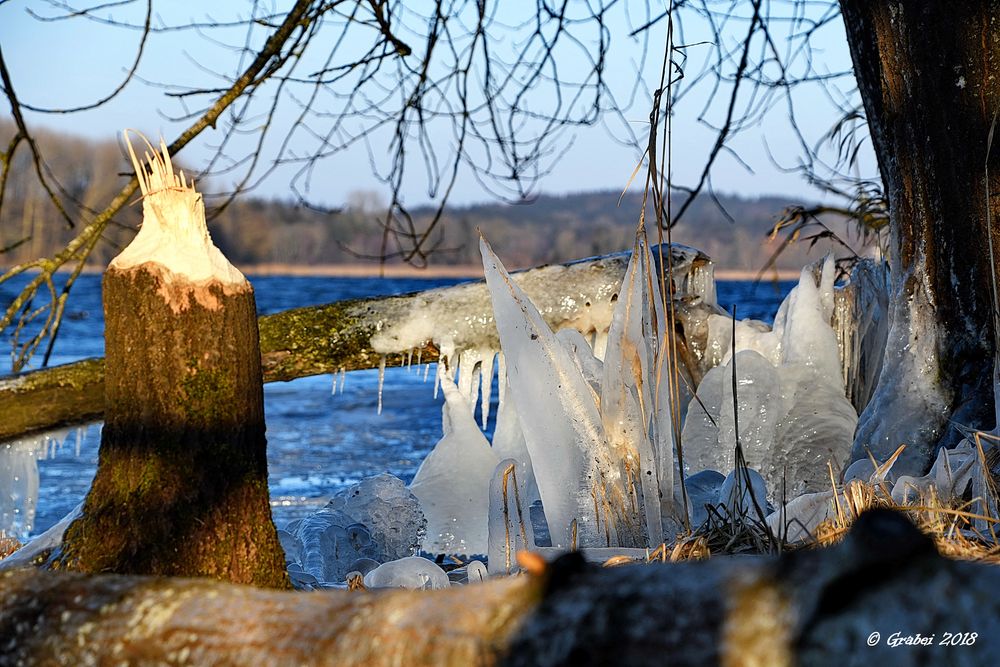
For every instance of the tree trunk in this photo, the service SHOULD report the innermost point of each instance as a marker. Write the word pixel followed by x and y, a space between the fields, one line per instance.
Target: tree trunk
pixel 929 75
pixel 181 484
pixel 814 607
pixel 339 336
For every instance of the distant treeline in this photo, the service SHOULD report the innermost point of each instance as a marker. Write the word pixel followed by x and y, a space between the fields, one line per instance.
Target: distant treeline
pixel 257 231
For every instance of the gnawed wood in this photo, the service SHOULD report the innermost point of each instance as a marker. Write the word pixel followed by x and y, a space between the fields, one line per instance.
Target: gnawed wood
pixel 326 339
pixel 818 607
pixel 181 484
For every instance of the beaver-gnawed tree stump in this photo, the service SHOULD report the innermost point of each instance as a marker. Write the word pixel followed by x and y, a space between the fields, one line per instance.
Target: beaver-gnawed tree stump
pixel 181 484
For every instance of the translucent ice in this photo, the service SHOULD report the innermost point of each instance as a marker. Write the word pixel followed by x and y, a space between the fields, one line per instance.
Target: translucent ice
pixel 411 572
pixel 508 443
pixel 453 482
pixel 18 487
pixel 702 490
pixel 741 498
pixel 19 479
pixel 792 413
pixel 629 385
pixel 798 519
pixel 389 510
pixel 330 541
pixel 509 521
pixel 579 480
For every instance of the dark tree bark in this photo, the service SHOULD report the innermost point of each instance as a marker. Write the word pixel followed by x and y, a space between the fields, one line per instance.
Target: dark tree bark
pixel 929 75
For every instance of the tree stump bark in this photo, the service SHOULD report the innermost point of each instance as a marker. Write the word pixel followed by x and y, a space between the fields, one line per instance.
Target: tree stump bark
pixel 181 484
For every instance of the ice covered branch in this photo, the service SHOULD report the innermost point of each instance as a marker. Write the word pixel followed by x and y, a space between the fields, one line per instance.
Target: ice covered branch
pixel 351 335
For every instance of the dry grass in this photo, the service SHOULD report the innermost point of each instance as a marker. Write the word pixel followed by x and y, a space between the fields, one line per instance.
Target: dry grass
pixel 8 545
pixel 952 526
pixel 955 526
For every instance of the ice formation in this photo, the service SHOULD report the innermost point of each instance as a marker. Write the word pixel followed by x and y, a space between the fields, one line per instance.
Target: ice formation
pixel 326 543
pixel 509 519
pixel 743 493
pixel 453 482
pixel 792 412
pixel 475 572
pixel 19 479
pixel 411 572
pixel 458 320
pixel 47 541
pixel 598 434
pixel 389 510
pixel 916 409
pixel 702 490
pixel 377 520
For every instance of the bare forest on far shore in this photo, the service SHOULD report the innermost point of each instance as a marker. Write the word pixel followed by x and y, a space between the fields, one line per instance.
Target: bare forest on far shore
pixel 280 236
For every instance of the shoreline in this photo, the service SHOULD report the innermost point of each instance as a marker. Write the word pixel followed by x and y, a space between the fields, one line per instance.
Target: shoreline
pixel 453 271
pixel 469 271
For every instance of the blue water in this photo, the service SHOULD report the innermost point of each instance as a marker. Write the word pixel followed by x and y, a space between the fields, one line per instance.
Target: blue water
pixel 318 443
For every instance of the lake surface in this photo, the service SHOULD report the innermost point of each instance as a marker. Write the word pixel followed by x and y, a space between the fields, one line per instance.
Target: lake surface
pixel 318 442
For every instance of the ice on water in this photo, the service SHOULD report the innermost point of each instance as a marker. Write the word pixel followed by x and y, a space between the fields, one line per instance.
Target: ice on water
pixel 19 479
pixel 377 520
pixel 411 572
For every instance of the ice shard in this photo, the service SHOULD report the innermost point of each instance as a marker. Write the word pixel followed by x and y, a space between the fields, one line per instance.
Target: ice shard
pixel 580 482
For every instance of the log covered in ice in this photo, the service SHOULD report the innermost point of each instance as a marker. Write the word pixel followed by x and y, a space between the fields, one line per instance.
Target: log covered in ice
pixel 357 333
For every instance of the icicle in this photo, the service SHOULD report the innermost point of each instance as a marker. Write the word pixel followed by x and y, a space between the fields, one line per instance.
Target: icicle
pixel 477 374
pixel 343 378
pixel 486 390
pixel 333 388
pixel 452 483
pixel 626 398
pixel 409 360
pixel 468 375
pixel 81 433
pixel 381 381
pixel 600 344
pixel 420 354
pixel 427 370
pixel 501 379
pixel 509 527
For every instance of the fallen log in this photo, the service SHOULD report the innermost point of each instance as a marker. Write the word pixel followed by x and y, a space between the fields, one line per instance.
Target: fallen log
pixel 353 335
pixel 883 596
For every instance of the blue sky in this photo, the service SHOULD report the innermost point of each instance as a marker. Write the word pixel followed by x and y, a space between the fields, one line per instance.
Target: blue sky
pixel 75 62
